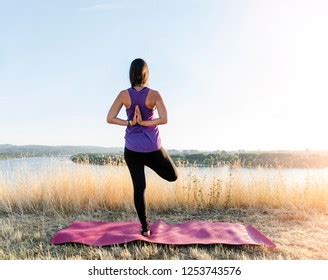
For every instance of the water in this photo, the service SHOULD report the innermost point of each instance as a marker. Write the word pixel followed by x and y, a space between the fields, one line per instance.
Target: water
pixel 33 166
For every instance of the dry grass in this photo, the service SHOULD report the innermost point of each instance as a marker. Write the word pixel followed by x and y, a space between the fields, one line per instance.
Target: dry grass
pixel 35 206
pixel 66 190
pixel 298 235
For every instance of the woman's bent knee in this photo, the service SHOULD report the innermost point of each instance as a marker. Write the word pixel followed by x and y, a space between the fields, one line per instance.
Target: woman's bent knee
pixel 173 178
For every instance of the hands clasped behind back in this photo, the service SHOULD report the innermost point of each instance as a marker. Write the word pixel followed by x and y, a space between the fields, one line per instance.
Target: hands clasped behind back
pixel 137 119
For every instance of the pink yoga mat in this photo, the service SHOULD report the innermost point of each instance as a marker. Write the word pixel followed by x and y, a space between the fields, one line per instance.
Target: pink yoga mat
pixel 193 232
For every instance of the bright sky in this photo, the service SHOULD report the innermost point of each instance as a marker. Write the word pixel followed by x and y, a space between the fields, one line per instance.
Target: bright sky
pixel 233 74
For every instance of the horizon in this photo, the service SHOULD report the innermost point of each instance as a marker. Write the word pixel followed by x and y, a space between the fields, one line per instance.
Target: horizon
pixel 234 76
pixel 201 150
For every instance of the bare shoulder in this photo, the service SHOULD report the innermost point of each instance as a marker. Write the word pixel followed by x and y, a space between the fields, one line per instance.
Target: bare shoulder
pixel 123 94
pixel 156 95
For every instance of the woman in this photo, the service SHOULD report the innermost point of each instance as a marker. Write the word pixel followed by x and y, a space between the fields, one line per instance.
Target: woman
pixel 142 140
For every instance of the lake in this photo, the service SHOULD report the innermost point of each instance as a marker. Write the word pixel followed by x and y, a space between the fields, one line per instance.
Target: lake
pixel 34 166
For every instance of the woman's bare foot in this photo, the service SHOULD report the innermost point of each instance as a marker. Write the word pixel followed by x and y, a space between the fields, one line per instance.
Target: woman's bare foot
pixel 145 233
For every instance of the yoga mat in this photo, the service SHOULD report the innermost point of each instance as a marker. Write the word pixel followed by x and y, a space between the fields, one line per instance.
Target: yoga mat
pixel 192 232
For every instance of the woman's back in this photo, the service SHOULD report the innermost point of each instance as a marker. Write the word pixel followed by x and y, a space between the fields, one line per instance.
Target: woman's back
pixel 141 138
pixel 149 101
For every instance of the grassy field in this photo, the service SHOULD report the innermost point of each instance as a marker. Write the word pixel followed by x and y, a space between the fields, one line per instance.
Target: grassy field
pixel 36 206
pixel 298 235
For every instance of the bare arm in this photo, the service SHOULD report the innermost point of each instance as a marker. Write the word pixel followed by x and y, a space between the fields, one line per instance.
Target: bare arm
pixel 162 112
pixel 114 110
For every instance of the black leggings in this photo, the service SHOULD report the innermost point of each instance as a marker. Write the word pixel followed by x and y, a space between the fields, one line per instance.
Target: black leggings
pixel 160 162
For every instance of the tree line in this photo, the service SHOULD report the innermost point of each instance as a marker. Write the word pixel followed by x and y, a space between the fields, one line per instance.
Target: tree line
pixel 244 159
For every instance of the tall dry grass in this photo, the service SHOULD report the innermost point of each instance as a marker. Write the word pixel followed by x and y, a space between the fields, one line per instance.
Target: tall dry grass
pixel 66 190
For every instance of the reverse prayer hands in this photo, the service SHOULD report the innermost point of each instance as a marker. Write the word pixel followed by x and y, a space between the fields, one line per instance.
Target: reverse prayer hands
pixel 138 114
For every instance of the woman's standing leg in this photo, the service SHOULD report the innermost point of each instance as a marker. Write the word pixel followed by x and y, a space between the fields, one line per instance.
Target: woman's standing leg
pixel 135 163
pixel 161 162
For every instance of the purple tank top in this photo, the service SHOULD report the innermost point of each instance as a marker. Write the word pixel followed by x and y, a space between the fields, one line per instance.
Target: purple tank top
pixel 140 138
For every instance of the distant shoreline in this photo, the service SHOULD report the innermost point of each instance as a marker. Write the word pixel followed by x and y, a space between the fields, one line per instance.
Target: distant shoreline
pixel 220 159
pixel 71 150
pixel 245 160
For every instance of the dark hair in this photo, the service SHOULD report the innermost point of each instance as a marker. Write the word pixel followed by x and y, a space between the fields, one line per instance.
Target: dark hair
pixel 139 72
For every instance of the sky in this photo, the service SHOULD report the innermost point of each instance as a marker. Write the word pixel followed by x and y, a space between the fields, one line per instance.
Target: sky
pixel 234 75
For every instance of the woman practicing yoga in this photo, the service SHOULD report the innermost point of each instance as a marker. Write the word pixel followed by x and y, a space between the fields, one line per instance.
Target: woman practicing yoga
pixel 142 139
